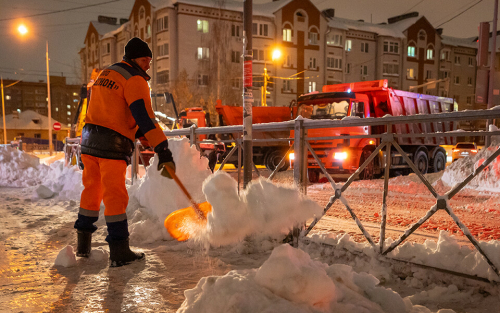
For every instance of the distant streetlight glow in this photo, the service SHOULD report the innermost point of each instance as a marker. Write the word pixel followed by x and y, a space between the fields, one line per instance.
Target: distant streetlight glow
pixel 22 29
pixel 276 54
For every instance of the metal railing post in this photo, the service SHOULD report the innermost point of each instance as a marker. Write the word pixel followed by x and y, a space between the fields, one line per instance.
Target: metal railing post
pixel 192 137
pixel 300 153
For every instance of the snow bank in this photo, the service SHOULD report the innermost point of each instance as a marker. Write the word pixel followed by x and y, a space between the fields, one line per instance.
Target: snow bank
pixel 444 254
pixel 19 169
pixel 262 209
pixel 487 180
pixel 289 281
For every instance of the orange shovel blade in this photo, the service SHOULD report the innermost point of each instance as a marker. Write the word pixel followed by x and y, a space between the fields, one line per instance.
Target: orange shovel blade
pixel 178 223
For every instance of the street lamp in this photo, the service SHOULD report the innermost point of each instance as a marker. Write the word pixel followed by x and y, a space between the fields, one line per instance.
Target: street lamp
pixel 22 29
pixel 276 54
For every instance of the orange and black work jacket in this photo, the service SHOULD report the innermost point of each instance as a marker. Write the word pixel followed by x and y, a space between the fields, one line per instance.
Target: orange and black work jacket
pixel 119 107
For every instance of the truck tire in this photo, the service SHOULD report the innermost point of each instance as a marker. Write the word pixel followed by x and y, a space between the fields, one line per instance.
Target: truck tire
pixel 372 170
pixel 313 175
pixel 421 161
pixel 439 162
pixel 273 158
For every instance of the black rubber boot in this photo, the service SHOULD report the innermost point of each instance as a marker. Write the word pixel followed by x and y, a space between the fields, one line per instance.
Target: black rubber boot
pixel 84 241
pixel 120 253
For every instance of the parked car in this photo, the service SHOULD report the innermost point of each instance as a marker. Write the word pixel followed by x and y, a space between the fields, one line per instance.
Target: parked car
pixel 463 149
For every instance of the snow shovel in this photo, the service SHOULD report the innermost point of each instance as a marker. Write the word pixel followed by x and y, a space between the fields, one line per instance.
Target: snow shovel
pixel 178 222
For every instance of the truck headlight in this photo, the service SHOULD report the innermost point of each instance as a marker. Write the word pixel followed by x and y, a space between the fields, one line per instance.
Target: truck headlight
pixel 340 155
pixel 291 156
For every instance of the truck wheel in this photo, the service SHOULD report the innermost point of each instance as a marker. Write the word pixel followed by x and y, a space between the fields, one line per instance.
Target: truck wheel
pixel 371 171
pixel 421 162
pixel 272 160
pixel 313 175
pixel 439 162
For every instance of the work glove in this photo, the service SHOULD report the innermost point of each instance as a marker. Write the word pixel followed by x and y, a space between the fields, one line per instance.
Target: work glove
pixel 164 159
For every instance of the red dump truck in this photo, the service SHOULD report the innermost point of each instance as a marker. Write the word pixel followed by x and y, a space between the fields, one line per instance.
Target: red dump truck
pixel 374 99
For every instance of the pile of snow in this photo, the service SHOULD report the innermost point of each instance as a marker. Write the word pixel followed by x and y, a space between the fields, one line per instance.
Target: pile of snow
pixel 289 281
pixel 445 254
pixel 487 180
pixel 263 209
pixel 19 169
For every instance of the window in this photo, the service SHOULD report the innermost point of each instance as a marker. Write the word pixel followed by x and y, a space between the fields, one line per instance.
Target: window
pixel 106 48
pixel 348 68
pixel 235 30
pixel 288 61
pixel 410 73
pixel 202 53
pixel 259 55
pixel 37 136
pixel 364 70
pixel 312 63
pixel 148 30
pixel 391 46
pixel 312 86
pixel 422 35
pixel 445 55
pixel 202 80
pixel 141 13
pixel 428 74
pixel 313 38
pixel 457 80
pixel 457 60
pixel 68 106
pixel 469 100
pixel 69 113
pixel 287 34
pixel 286 85
pixel 334 63
pixel 444 74
pixel 57 109
pixel 236 83
pixel 471 61
pixel 430 54
pixel 469 81
pixel 163 77
pixel 348 45
pixel 390 69
pixel 235 56
pixel 162 24
pixel 364 47
pixel 260 29
pixel 202 26
pixel 411 51
pixel 334 40
pixel 163 50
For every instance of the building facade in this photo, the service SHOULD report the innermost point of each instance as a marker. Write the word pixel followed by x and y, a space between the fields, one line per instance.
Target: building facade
pixel 21 96
pixel 198 45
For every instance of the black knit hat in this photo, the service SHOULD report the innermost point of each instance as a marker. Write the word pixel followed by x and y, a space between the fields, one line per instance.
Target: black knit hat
pixel 136 48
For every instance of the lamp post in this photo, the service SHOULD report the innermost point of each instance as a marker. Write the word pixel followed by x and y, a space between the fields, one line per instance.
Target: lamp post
pixel 276 55
pixel 3 114
pixel 23 30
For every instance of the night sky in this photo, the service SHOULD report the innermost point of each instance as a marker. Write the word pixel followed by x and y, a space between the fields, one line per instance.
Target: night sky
pixel 24 58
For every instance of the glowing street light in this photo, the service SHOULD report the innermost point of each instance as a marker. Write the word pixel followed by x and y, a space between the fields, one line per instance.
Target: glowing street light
pixel 23 30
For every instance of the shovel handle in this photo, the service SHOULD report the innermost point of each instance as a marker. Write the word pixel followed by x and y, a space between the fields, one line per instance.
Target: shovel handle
pixel 184 190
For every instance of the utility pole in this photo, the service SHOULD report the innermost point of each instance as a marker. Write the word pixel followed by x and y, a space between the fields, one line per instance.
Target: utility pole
pixel 3 115
pixel 48 98
pixel 492 67
pixel 247 93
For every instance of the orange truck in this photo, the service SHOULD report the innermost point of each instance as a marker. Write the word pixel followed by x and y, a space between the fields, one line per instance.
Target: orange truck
pixel 367 100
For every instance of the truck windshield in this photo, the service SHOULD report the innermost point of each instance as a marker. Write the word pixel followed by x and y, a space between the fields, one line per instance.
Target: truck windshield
pixel 330 110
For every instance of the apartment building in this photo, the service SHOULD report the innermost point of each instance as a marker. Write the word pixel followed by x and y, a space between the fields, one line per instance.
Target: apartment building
pixel 21 96
pixel 198 45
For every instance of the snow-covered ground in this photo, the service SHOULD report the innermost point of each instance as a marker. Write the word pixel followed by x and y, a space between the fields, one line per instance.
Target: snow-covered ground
pixel 236 262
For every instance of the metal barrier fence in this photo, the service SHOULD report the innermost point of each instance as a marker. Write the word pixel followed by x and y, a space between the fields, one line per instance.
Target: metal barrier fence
pixel 388 139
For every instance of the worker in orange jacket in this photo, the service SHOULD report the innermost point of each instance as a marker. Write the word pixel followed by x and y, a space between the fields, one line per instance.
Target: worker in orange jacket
pixel 119 111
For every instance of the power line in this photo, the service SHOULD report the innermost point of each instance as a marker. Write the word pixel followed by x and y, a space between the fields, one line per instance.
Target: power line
pixel 460 13
pixel 414 6
pixel 59 11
